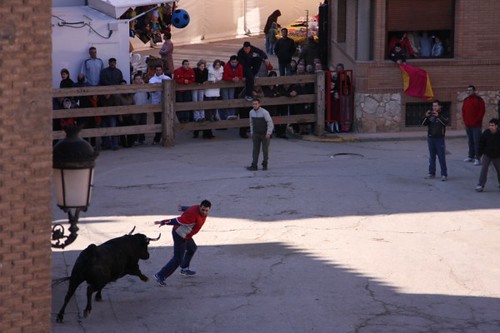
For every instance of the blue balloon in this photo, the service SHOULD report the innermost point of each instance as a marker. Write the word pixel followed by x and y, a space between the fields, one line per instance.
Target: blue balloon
pixel 180 18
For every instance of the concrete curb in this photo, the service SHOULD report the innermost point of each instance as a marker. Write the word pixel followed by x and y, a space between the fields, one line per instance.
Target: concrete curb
pixel 365 137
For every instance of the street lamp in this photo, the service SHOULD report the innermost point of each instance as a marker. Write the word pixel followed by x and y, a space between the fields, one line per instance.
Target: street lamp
pixel 73 164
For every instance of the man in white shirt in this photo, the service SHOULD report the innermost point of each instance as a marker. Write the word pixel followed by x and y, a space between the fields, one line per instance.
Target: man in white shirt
pixel 156 97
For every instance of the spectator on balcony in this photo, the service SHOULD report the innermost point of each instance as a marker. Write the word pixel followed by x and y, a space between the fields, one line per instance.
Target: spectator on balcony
pixel 397 54
pixel 437 48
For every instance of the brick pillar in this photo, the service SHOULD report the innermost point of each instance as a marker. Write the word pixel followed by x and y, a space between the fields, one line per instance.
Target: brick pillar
pixel 25 166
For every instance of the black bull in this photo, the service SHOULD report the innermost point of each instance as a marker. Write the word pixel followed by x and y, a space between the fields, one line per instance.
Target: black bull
pixel 99 265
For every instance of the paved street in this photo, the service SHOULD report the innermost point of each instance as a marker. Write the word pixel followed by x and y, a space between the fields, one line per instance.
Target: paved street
pixel 334 237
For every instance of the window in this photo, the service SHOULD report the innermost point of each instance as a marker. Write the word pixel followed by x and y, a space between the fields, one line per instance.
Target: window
pixel 425 30
pixel 415 112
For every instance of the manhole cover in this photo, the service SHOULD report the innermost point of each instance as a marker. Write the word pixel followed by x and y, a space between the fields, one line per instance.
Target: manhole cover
pixel 347 155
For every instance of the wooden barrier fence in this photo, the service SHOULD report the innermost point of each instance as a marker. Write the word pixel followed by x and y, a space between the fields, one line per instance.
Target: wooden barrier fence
pixel 170 124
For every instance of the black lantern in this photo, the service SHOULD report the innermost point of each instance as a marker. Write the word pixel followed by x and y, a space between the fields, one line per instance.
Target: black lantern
pixel 73 164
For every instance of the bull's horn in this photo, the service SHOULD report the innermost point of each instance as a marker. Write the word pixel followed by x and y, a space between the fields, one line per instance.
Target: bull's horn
pixel 155 239
pixel 130 233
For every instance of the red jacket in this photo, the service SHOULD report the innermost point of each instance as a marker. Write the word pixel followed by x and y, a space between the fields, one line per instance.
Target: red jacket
pixel 190 221
pixel 473 111
pixel 230 72
pixel 180 75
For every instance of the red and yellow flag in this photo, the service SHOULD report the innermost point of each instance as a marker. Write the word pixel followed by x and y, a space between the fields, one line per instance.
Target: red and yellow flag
pixel 416 82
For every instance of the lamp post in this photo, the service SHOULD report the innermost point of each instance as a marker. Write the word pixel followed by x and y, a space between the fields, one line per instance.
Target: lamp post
pixel 73 163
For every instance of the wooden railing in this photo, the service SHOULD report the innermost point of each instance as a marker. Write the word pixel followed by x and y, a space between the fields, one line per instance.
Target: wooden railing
pixel 170 125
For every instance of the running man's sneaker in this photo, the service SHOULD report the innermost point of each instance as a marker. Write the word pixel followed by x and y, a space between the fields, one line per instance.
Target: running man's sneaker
pixel 187 272
pixel 477 162
pixel 444 178
pixel 479 188
pixel 468 159
pixel 430 176
pixel 159 280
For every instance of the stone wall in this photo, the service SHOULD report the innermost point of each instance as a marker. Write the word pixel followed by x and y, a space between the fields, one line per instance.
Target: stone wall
pixel 379 113
pixel 375 113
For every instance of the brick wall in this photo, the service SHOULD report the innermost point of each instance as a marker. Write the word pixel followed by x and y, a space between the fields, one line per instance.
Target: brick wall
pixel 25 166
pixel 475 61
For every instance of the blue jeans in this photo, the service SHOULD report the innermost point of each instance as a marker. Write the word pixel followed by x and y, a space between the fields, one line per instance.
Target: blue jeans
pixel 285 69
pixel 183 253
pixel 473 136
pixel 197 96
pixel 110 141
pixel 437 147
pixel 226 94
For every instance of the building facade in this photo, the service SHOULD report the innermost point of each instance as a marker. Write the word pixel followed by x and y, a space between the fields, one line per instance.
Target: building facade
pixel 362 31
pixel 25 166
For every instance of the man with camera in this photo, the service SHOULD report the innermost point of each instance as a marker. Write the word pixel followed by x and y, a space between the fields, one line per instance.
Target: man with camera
pixel 436 129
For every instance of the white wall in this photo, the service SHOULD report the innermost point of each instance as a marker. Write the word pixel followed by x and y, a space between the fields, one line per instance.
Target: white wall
pixel 70 45
pixel 213 20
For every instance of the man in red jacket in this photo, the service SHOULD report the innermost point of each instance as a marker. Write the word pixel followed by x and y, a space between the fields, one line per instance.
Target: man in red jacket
pixel 185 227
pixel 473 111
pixel 183 75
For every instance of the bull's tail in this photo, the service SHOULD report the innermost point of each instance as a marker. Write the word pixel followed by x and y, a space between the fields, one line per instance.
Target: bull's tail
pixel 57 282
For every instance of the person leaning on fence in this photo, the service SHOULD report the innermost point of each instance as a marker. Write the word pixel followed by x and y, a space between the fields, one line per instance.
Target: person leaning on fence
pixel 233 72
pixel 276 90
pixel 250 57
pixel 141 98
pixel 305 108
pixel 110 76
pixel 156 97
pixel 215 72
pixel 201 78
pixel 184 76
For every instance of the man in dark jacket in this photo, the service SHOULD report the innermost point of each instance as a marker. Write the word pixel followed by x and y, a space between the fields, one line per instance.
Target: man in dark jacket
pixel 436 129
pixel 251 57
pixel 285 49
pixel 489 150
